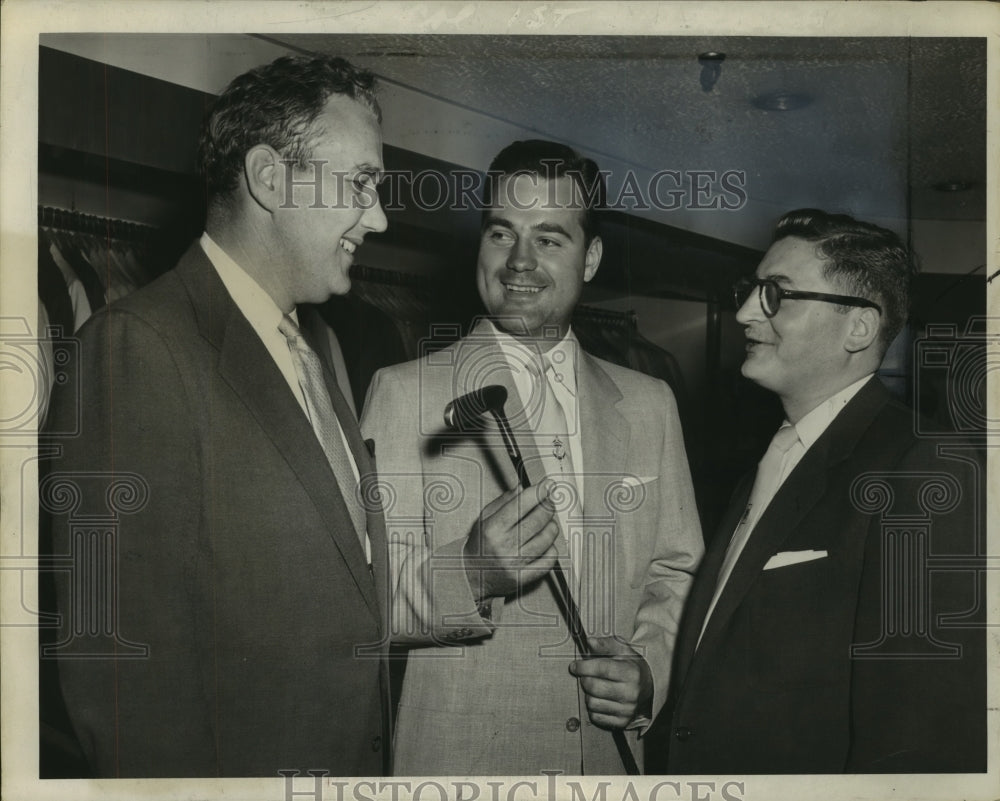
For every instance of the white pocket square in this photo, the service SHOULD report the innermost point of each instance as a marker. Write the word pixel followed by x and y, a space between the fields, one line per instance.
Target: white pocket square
pixel 786 558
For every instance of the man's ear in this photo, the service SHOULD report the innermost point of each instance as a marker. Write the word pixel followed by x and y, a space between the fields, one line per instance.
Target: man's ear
pixel 863 331
pixel 593 258
pixel 264 176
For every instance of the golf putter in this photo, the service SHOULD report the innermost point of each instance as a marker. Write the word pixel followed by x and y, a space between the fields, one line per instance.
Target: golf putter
pixel 463 414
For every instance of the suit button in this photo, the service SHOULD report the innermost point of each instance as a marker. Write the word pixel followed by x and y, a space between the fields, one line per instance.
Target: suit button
pixel 573 724
pixel 376 743
pixel 683 733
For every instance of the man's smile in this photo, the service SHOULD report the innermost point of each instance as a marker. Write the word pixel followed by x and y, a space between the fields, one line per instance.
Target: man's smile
pixel 523 289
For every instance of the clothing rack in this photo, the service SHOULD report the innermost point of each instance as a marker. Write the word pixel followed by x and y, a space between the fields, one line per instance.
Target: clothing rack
pixel 379 275
pixel 606 317
pixel 101 258
pixel 93 225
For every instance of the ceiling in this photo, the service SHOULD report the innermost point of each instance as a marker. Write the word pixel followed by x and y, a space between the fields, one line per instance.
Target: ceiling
pixel 888 117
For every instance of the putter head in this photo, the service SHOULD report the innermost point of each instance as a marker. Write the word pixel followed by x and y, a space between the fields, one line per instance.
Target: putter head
pixel 465 413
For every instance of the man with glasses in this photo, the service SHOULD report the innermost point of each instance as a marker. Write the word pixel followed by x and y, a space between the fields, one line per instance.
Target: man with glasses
pixel 815 640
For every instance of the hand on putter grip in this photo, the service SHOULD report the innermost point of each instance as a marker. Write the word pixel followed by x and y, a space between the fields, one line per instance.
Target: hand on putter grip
pixel 616 682
pixel 512 544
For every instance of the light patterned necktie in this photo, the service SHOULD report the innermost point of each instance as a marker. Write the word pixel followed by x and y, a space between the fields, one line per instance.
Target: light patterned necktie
pixel 551 430
pixel 324 421
pixel 552 441
pixel 553 425
pixel 765 485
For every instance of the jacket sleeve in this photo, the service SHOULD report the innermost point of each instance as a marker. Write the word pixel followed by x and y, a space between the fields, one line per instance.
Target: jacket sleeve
pixel 124 503
pixel 676 555
pixel 432 601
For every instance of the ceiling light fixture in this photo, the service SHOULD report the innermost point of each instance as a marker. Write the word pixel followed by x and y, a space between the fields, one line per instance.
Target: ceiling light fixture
pixel 711 68
pixel 782 101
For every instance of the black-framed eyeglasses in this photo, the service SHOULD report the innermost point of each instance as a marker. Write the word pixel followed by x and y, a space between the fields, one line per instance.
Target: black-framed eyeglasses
pixel 771 294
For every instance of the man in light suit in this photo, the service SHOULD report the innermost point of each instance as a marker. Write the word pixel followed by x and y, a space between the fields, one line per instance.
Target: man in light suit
pixel 249 587
pixel 494 684
pixel 819 638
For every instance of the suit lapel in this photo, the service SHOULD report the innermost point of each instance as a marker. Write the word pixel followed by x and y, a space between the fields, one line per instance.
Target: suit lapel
pixel 804 486
pixel 375 520
pixel 374 516
pixel 246 365
pixel 605 433
pixel 800 492
pixel 703 590
pixel 605 436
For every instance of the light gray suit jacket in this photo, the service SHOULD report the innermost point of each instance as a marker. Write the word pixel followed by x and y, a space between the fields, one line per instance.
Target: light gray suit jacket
pixel 494 697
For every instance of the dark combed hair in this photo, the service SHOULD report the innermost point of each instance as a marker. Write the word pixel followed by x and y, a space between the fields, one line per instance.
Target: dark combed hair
pixel 868 261
pixel 275 105
pixel 550 160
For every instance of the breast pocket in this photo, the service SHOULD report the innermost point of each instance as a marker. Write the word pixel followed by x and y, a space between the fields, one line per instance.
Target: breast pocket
pixel 801 615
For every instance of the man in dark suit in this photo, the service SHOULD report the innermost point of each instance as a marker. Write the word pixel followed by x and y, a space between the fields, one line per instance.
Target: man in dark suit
pixel 816 638
pixel 240 633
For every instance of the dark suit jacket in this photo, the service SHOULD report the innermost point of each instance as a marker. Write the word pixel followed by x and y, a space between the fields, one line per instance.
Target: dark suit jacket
pixel 239 569
pixel 773 687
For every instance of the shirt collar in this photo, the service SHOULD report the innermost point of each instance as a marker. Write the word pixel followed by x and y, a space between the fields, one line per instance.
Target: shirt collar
pixel 523 350
pixel 257 306
pixel 562 357
pixel 812 426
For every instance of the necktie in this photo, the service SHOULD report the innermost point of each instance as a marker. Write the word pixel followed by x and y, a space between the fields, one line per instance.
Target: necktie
pixel 765 485
pixel 324 421
pixel 552 440
pixel 552 431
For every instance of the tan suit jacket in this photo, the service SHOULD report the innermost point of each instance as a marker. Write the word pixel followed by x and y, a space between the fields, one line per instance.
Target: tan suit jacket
pixel 494 697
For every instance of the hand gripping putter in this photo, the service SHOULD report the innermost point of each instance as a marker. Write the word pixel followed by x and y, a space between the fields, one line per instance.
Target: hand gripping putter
pixel 464 414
